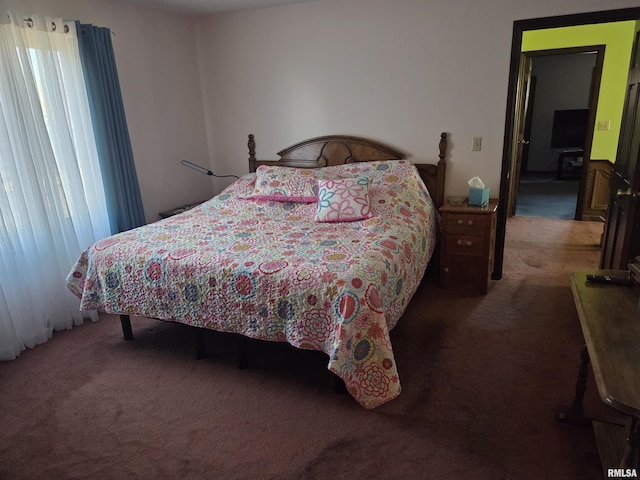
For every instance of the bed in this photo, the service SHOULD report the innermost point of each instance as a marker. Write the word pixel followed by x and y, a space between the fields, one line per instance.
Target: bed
pixel 322 249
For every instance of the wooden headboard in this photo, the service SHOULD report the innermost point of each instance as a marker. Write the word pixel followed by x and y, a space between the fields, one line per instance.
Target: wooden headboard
pixel 338 149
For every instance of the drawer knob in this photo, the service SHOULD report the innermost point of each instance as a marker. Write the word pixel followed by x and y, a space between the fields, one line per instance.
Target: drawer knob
pixel 460 222
pixel 466 243
pixel 470 222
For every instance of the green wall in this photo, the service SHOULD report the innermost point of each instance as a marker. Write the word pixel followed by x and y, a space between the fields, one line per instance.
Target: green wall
pixel 618 38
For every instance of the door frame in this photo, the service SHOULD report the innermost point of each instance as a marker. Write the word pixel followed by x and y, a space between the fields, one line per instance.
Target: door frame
pixel 519 27
pixel 524 106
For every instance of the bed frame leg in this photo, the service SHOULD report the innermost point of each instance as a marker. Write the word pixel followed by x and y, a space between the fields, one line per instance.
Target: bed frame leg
pixel 243 352
pixel 126 327
pixel 338 385
pixel 201 348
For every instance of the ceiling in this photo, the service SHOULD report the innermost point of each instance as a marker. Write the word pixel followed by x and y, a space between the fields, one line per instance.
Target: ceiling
pixel 202 7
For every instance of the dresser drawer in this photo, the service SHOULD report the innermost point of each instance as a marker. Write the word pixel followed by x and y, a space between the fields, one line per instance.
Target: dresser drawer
pixel 465 245
pixel 467 224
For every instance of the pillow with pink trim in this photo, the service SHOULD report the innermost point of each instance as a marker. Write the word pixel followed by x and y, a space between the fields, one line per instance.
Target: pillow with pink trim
pixel 343 200
pixel 285 184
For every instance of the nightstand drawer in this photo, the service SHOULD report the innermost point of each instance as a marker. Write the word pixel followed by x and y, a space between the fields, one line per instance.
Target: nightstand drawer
pixel 465 245
pixel 467 224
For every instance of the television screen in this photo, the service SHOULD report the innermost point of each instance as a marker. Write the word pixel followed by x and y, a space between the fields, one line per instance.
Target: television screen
pixel 569 128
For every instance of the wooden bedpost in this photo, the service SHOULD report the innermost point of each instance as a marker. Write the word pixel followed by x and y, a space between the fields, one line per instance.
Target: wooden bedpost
pixel 433 174
pixel 442 166
pixel 252 153
pixel 443 146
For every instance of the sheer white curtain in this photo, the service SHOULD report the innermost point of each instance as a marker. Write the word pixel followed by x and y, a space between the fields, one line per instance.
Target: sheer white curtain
pixel 52 203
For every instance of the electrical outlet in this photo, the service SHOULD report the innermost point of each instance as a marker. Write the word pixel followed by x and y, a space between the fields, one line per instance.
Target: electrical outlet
pixel 604 125
pixel 477 144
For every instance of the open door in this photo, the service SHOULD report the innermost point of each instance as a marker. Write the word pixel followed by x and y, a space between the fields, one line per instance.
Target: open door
pixel 519 27
pixel 622 230
pixel 522 118
pixel 522 130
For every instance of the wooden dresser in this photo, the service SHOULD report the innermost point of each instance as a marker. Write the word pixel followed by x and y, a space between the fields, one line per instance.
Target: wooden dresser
pixel 610 320
pixel 467 248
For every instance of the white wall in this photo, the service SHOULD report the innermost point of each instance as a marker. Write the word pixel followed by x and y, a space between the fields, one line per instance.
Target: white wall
pixel 400 72
pixel 157 66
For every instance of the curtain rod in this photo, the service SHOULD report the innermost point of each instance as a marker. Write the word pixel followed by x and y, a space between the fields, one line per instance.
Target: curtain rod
pixel 29 22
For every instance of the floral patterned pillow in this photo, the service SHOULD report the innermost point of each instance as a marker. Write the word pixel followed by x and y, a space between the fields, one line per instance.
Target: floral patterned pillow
pixel 285 184
pixel 343 200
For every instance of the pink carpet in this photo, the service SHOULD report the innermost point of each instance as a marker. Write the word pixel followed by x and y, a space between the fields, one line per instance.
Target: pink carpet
pixel 481 379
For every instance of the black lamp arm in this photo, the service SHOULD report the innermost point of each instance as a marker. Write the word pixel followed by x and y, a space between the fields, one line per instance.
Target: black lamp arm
pixel 204 170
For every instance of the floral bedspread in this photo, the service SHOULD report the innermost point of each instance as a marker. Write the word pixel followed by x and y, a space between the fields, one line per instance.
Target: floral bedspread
pixel 267 270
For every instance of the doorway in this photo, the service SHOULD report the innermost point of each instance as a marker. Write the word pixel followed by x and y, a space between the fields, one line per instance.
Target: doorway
pixel 560 103
pixel 509 146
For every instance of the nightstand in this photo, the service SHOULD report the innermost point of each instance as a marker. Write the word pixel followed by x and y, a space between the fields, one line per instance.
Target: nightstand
pixel 176 211
pixel 468 243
